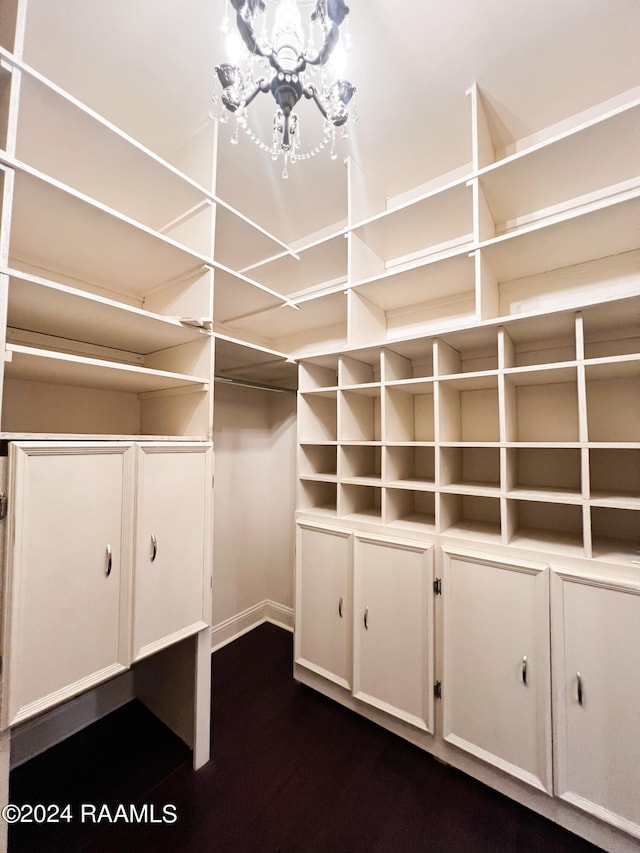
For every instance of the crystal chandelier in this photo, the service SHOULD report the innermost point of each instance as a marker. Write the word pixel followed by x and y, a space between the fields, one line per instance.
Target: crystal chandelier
pixel 278 62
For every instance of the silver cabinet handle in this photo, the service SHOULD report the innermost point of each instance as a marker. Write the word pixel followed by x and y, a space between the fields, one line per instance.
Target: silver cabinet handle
pixel 579 685
pixel 524 670
pixel 154 547
pixel 340 607
pixel 366 618
pixel 109 561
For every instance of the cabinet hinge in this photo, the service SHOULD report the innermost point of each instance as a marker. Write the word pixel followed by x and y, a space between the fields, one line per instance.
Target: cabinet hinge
pixel 437 586
pixel 437 690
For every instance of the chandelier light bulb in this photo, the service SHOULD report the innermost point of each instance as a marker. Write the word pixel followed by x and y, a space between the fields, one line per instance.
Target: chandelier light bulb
pixel 292 72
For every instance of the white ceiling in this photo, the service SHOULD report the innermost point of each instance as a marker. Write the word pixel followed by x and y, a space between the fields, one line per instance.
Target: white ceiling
pixel 146 66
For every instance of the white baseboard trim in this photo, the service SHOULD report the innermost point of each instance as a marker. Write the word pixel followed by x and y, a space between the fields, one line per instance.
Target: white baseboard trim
pixel 35 736
pixel 234 627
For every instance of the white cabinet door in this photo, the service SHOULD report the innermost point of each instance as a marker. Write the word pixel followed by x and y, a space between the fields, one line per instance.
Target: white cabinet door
pixel 324 602
pixel 172 570
pixel 67 571
pixel 596 642
pixel 393 629
pixel 496 663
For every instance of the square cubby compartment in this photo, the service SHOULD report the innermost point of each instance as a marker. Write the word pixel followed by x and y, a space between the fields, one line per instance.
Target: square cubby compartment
pixel 615 535
pixel 545 469
pixel 359 415
pixel 409 413
pixel 360 462
pixel 353 371
pixel 317 417
pixel 313 375
pixel 470 515
pixel 613 401
pixel 318 460
pixel 539 340
pixel 469 409
pixel 318 496
pixel 411 509
pixel 360 502
pixel 470 351
pixel 470 467
pixel 615 473
pixel 409 360
pixel 542 405
pixel 411 465
pixel 554 526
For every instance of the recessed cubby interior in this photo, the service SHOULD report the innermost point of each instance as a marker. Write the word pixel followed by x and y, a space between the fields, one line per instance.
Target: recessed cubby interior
pixel 412 360
pixel 469 410
pixel 318 416
pixel 470 466
pixel 408 508
pixel 409 413
pixel 313 375
pixel 5 91
pixel 615 534
pixel 410 464
pixel 542 406
pixel 612 329
pixel 540 340
pixel 544 469
pixel 467 352
pixel 318 496
pixel 473 514
pixel 360 461
pixel 538 523
pixel 360 501
pixel 359 418
pixel 354 371
pixel 613 388
pixel 318 459
pixel 615 473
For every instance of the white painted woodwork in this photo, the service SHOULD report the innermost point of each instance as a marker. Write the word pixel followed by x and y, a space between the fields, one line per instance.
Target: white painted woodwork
pixel 596 640
pixel 496 673
pixel 172 572
pixel 324 602
pixel 68 564
pixel 393 628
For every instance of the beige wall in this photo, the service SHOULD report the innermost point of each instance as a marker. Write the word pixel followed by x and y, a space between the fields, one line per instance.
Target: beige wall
pixel 254 496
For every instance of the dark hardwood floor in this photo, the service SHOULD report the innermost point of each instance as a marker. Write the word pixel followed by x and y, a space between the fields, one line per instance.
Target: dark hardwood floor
pixel 290 771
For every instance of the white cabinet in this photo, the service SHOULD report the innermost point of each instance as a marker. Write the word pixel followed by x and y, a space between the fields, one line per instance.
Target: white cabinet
pixel 496 677
pixel 324 602
pixel 364 618
pixel 81 588
pixel 172 584
pixel 393 636
pixel 67 572
pixel 596 659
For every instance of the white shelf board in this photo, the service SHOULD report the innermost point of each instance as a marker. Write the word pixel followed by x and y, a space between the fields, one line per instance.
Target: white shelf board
pixel 469 488
pixel 484 531
pixel 430 220
pixel 39 305
pixel 618 500
pixel 412 484
pixel 565 169
pixel 55 135
pixel 417 521
pixel 36 365
pixel 320 266
pixel 56 230
pixel 616 551
pixel 545 495
pixel 319 478
pixel 427 281
pixel 569 544
pixel 609 228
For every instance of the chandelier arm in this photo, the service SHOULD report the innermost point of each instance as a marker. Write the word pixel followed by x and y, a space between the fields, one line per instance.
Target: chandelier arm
pixel 261 85
pixel 311 93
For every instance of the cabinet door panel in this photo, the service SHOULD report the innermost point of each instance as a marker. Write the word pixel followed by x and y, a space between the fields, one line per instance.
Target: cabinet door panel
pixel 393 647
pixel 324 602
pixel 172 577
pixel 66 615
pixel 597 637
pixel 496 677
